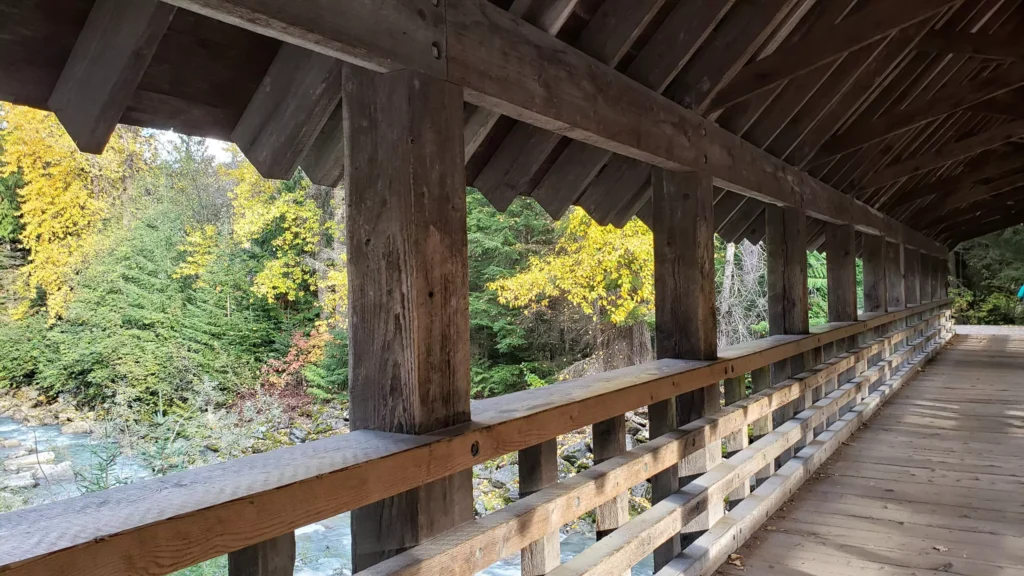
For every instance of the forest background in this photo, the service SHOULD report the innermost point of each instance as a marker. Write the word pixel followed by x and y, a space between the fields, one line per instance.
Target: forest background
pixel 156 281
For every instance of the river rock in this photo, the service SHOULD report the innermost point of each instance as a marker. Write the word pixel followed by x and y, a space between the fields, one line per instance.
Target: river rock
pixel 297 435
pixel 565 469
pixel 29 461
pixel 10 444
pixel 641 490
pixel 575 453
pixel 504 477
pixel 80 427
pixel 54 472
pixel 19 481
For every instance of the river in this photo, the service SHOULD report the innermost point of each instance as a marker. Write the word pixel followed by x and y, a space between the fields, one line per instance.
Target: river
pixel 323 549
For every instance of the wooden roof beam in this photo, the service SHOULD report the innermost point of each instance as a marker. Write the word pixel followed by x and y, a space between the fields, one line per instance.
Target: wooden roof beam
pixel 949 153
pixel 490 53
pixel 987 226
pixel 826 44
pixel 951 100
pixel 950 41
pixel 293 102
pixel 939 206
pixel 108 61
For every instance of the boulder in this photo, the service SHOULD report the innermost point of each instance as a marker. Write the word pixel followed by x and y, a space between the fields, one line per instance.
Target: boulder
pixel 505 477
pixel 641 490
pixel 10 444
pixel 29 461
pixel 297 435
pixel 19 481
pixel 79 427
pixel 574 453
pixel 54 472
pixel 565 469
pixel 67 416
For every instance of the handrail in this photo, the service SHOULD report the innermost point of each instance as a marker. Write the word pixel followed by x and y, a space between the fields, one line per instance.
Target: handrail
pixel 163 524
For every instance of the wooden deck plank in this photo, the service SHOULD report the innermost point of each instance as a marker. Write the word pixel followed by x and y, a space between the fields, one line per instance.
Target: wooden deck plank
pixel 933 485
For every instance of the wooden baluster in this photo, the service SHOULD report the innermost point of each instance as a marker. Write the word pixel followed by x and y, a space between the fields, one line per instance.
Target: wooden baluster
pixel 685 325
pixel 761 379
pixel 895 286
pixel 786 238
pixel 274 557
pixel 409 286
pixel 609 442
pixel 735 390
pixel 538 469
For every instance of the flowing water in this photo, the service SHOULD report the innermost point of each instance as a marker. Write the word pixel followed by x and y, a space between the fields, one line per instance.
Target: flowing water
pixel 323 548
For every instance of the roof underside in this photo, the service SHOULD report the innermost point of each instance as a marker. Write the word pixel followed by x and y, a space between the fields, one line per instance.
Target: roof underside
pixel 912 107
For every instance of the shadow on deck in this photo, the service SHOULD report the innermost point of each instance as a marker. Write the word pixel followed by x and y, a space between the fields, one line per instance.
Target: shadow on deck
pixel 934 484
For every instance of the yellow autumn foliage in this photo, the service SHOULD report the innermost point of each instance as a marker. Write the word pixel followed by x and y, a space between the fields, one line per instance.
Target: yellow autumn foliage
pixel 601 269
pixel 65 199
pixel 200 250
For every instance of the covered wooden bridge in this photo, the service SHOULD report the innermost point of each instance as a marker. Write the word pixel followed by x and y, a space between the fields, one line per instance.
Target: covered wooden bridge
pixel 873 129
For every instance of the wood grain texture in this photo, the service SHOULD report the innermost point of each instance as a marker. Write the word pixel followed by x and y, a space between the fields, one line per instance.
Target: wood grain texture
pixel 912 276
pixel 538 469
pixel 876 296
pixel 274 557
pixel 298 94
pixel 409 289
pixel 610 442
pixel 112 53
pixel 829 42
pixel 842 273
pixel 894 284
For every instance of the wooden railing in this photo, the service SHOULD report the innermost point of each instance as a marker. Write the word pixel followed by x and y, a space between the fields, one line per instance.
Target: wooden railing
pixel 160 525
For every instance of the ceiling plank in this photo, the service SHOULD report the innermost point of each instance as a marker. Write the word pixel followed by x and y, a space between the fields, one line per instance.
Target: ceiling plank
pixel 293 102
pixel 941 205
pixel 947 101
pixel 953 184
pixel 949 41
pixel 105 67
pixel 827 43
pixel 949 153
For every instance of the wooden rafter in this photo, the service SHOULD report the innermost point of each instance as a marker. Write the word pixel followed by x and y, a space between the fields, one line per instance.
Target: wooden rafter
pixel 828 43
pixel 1003 46
pixel 961 181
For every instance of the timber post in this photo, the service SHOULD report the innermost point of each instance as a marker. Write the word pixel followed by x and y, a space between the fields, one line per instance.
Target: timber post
pixel 685 323
pixel 409 286
pixel 841 254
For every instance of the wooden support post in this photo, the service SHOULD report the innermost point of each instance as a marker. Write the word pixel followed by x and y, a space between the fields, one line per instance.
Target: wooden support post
pixel 686 324
pixel 938 279
pixel 841 253
pixel 609 442
pixel 786 238
pixel 409 287
pixel 538 469
pixel 894 275
pixel 761 379
pixel 876 297
pixel 912 276
pixel 735 390
pixel 274 557
pixel 105 67
pixel 926 278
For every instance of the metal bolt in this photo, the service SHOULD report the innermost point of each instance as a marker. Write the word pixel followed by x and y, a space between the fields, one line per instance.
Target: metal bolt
pixel 436 50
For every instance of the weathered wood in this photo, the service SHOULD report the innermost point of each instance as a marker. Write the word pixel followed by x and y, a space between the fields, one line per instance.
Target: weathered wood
pixel 736 390
pixel 727 536
pixel 297 96
pixel 938 206
pixel 828 43
pixel 280 491
pixel 926 278
pixel 912 276
pixel 948 101
pixel 538 469
pixel 480 35
pixel 407 228
pixel 610 442
pixel 876 295
pixel 894 275
pixel 842 273
pixel 274 557
pixel 947 153
pixel 950 40
pixel 685 294
pixel 105 67
pixel 957 182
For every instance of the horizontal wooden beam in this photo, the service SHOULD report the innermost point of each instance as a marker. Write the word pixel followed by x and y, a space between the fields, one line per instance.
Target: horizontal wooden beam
pixel 209 511
pixel 946 154
pixel 505 65
pixel 827 43
pixel 105 67
pixel 951 100
pixel 952 41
